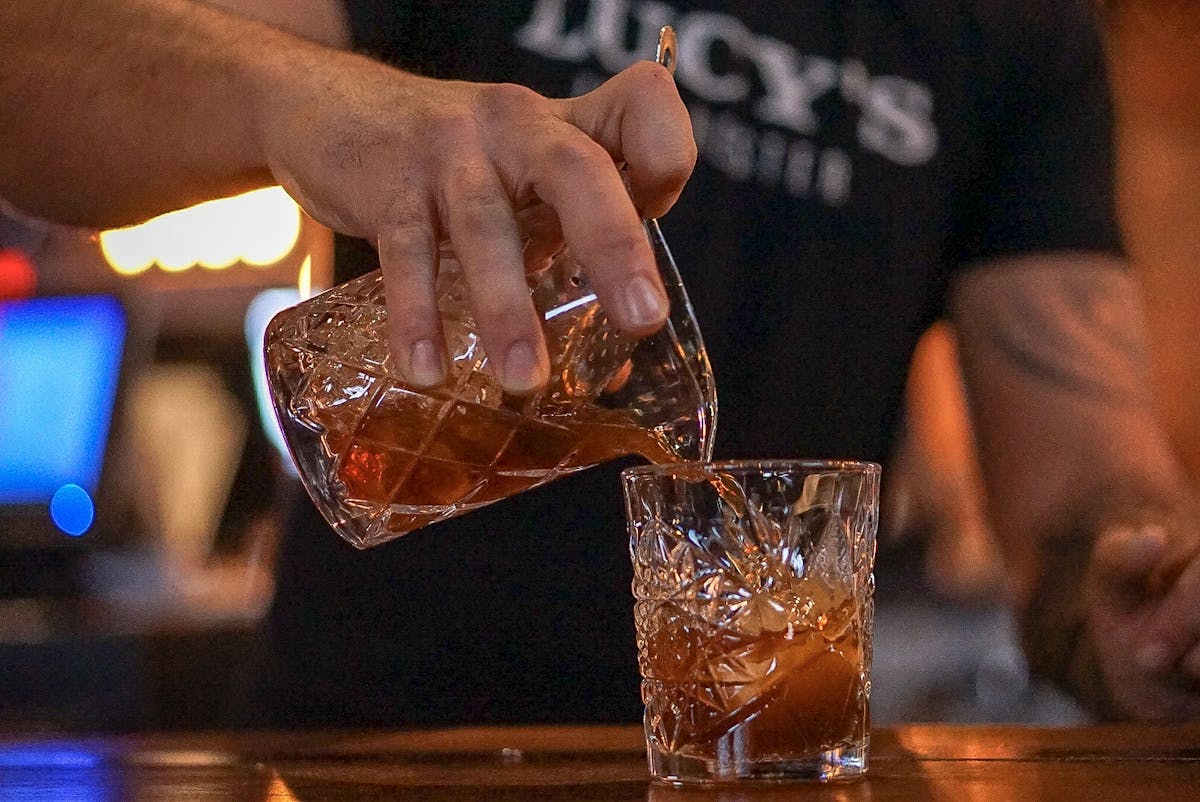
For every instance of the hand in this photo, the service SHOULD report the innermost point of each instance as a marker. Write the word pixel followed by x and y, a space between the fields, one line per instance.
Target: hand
pixel 1142 595
pixel 408 162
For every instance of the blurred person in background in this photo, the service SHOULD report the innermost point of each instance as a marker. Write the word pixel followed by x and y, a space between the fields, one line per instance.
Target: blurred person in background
pixel 863 168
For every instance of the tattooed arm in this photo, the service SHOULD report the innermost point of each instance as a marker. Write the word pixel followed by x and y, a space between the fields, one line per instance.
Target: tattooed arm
pixel 1096 518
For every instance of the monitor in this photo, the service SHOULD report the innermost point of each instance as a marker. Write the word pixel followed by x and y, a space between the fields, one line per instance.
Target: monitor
pixel 60 362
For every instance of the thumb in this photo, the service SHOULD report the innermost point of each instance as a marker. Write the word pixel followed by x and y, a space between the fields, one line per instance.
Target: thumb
pixel 1123 559
pixel 640 119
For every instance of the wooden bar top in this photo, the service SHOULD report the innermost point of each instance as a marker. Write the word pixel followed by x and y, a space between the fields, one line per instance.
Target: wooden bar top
pixel 917 762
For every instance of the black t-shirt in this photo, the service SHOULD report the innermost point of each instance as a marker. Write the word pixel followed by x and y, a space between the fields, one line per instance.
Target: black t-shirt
pixel 854 154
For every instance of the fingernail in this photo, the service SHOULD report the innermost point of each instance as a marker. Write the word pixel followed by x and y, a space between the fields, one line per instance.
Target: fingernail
pixel 1153 657
pixel 522 372
pixel 425 364
pixel 645 303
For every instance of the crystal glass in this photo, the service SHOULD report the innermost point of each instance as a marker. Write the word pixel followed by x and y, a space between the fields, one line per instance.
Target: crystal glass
pixel 753 604
pixel 380 458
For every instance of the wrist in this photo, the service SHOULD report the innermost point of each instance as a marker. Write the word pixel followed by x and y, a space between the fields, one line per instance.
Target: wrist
pixel 330 125
pixel 280 78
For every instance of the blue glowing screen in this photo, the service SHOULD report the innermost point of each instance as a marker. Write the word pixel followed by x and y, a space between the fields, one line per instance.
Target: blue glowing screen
pixel 60 359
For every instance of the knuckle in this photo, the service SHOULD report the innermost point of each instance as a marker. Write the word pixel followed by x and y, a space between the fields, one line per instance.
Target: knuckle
pixel 452 126
pixel 406 232
pixel 482 208
pixel 505 98
pixel 412 310
pixel 621 247
pixel 472 184
pixel 576 153
pixel 410 316
pixel 408 326
pixel 408 243
pixel 626 244
pixel 500 312
pixel 402 209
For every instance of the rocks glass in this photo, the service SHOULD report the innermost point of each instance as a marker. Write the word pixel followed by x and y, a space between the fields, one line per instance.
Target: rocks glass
pixel 753 603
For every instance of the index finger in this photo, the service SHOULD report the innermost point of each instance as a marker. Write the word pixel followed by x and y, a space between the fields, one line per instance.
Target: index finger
pixel 575 176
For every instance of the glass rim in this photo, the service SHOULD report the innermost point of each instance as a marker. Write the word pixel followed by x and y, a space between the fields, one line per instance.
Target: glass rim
pixel 845 466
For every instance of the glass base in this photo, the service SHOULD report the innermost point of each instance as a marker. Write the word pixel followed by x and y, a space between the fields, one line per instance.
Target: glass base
pixel 844 763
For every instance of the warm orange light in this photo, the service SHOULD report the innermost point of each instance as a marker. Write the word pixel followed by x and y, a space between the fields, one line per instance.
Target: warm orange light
pixel 258 228
pixel 304 280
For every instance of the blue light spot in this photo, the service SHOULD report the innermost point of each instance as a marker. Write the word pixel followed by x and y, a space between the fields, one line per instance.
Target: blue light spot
pixel 72 510
pixel 48 756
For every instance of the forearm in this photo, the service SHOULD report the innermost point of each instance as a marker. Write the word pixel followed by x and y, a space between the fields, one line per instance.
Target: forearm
pixel 116 110
pixel 1069 442
pixel 1054 357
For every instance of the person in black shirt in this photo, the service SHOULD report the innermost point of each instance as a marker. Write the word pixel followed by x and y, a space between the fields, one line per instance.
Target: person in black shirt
pixel 864 167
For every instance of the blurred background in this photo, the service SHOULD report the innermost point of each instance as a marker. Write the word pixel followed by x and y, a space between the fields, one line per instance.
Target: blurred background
pixel 137 477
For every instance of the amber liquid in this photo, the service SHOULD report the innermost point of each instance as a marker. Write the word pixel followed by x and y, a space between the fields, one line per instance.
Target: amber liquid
pixel 470 461
pixel 787 691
